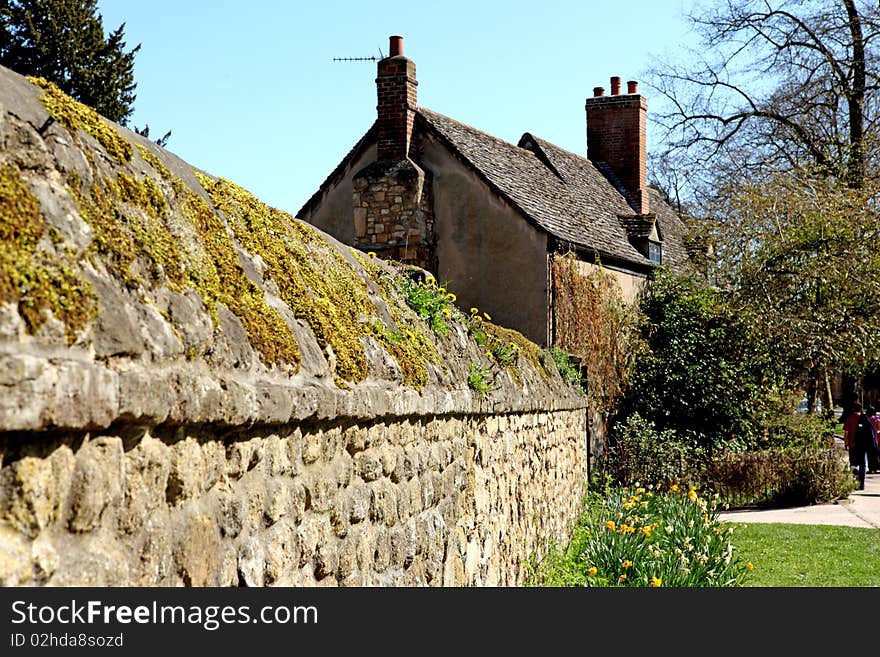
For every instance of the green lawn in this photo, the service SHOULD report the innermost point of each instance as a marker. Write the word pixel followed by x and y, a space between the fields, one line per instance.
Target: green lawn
pixel 808 555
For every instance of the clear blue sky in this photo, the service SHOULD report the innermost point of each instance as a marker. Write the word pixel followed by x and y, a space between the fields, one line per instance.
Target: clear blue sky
pixel 251 92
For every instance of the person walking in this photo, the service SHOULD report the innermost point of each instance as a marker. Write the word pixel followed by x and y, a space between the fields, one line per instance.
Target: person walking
pixel 859 436
pixel 874 448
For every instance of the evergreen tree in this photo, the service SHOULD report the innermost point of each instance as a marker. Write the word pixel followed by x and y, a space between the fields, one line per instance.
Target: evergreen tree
pixel 64 42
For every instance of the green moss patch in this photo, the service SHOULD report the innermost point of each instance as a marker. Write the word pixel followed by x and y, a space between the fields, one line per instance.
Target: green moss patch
pixel 34 279
pixel 74 116
pixel 313 279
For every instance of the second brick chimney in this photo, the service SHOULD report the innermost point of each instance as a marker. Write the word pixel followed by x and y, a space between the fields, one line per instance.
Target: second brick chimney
pixel 616 139
pixel 396 90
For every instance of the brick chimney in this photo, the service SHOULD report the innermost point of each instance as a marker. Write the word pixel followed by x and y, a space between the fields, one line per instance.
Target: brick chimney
pixel 616 139
pixel 396 89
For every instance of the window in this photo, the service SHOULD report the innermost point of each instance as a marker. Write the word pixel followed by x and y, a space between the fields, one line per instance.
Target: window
pixel 655 252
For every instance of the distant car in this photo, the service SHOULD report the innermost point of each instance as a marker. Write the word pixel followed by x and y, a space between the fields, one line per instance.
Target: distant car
pixel 803 405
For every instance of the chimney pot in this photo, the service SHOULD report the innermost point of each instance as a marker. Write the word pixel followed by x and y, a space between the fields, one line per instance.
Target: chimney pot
pixel 615 85
pixel 598 91
pixel 632 87
pixel 396 46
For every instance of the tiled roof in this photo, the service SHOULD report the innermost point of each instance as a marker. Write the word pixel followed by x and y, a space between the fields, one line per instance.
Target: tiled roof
pixel 562 192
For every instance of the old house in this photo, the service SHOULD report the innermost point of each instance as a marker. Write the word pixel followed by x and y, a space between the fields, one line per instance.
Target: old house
pixel 487 216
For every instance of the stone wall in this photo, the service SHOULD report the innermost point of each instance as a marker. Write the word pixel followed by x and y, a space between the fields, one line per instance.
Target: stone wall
pixel 441 501
pixel 199 389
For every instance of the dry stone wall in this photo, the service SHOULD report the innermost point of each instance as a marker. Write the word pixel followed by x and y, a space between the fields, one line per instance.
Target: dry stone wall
pixel 442 501
pixel 197 389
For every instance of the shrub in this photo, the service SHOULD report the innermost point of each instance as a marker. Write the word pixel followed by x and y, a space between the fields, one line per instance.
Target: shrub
pixel 639 451
pixel 706 374
pixel 780 477
pixel 645 538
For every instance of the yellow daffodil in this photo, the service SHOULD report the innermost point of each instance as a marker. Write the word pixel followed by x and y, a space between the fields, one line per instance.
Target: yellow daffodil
pixel 474 311
pixel 372 254
pixel 609 524
pixel 592 570
pixel 622 578
pixel 627 564
pixel 750 565
pixel 673 488
pixel 656 582
pixel 446 312
pixel 486 315
pixel 451 297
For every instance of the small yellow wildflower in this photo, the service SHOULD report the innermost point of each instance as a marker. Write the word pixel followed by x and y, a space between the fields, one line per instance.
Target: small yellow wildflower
pixel 692 495
pixel 451 297
pixel 372 254
pixel 486 315
pixel 592 570
pixel 474 311
pixel 656 582
pixel 644 505
pixel 609 524
pixel 750 565
pixel 673 488
pixel 446 312
pixel 627 564
pixel 622 578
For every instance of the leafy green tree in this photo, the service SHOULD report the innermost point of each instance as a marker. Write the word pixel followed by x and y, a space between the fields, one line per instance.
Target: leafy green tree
pixel 707 375
pixel 798 254
pixel 64 42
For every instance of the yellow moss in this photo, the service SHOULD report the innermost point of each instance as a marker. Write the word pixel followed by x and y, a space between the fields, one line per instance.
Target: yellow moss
pixel 313 279
pixel 74 116
pixel 222 280
pixel 154 162
pixel 32 278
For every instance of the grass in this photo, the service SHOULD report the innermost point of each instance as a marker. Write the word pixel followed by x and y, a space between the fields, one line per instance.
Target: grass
pixel 788 555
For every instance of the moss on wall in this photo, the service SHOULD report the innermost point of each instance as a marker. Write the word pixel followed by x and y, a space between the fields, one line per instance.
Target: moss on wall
pixel 32 277
pixel 75 116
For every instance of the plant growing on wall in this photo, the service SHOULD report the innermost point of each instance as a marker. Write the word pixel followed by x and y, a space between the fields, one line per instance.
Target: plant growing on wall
pixel 594 323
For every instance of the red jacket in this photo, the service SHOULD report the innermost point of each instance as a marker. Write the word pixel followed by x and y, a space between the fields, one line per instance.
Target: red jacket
pixel 849 429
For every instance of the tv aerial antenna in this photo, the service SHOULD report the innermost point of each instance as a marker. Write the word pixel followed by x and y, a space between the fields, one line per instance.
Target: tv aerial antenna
pixel 371 58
